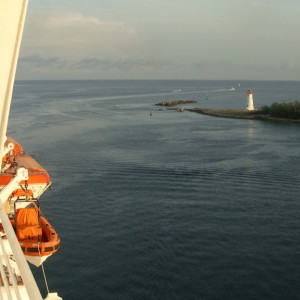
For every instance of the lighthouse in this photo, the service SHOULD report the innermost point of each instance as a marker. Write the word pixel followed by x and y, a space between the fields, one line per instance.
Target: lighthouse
pixel 250 105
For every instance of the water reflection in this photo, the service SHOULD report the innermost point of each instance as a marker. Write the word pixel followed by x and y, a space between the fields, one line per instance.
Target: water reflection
pixel 250 129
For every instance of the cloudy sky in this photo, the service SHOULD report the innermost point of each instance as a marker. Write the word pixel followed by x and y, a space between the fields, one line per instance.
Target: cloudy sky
pixel 161 39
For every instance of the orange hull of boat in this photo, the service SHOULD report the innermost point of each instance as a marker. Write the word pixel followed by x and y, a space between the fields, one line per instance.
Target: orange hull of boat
pixel 39 178
pixel 48 245
pixel 37 174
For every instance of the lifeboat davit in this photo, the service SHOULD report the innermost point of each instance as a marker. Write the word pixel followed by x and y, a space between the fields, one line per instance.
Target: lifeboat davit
pixel 37 238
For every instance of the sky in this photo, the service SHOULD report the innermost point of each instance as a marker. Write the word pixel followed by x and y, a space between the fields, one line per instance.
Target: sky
pixel 161 39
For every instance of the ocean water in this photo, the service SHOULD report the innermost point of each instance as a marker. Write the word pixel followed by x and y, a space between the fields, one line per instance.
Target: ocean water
pixel 169 205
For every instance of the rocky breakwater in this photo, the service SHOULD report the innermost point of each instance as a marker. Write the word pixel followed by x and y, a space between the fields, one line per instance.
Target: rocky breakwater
pixel 257 114
pixel 170 103
pixel 228 113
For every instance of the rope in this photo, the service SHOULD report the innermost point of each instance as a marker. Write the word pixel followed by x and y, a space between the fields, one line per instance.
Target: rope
pixel 29 199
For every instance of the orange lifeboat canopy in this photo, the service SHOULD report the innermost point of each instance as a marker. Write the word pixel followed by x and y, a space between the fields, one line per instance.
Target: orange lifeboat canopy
pixel 37 238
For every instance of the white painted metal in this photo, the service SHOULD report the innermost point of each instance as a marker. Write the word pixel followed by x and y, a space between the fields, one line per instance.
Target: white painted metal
pixel 37 260
pixel 9 278
pixel 12 16
pixel 53 296
pixel 22 174
pixel 37 189
pixel 8 148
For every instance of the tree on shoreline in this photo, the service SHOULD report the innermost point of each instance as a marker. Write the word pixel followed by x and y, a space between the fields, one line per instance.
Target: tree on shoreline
pixel 288 110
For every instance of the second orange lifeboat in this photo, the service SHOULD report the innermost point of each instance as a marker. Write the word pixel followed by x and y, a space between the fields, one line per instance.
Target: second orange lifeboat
pixel 37 238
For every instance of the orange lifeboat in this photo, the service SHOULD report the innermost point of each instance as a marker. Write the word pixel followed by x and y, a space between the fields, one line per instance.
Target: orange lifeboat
pixel 37 238
pixel 39 179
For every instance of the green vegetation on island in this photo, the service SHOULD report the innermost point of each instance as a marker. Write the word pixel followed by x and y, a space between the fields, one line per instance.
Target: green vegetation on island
pixel 286 110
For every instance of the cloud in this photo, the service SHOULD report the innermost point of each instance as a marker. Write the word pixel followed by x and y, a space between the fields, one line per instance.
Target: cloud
pixel 37 66
pixel 74 35
pixel 37 61
pixel 78 20
pixel 121 64
pixel 220 39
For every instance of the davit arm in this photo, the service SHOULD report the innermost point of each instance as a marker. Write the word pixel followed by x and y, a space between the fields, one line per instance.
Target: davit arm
pixel 22 174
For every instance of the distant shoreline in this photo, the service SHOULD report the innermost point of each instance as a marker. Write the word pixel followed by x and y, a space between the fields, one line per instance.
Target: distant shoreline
pixel 239 114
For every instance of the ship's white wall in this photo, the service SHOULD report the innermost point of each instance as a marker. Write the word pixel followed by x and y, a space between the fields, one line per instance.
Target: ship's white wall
pixel 12 17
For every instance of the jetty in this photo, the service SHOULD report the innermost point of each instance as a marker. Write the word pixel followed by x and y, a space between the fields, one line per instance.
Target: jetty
pixel 227 113
pixel 286 112
pixel 256 114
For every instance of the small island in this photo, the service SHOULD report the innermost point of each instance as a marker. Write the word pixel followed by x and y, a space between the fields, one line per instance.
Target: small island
pixel 170 103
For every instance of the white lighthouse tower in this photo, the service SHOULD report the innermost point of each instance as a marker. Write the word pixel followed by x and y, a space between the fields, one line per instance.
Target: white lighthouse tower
pixel 250 105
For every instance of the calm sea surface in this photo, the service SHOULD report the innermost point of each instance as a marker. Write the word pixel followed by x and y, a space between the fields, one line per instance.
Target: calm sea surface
pixel 169 206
